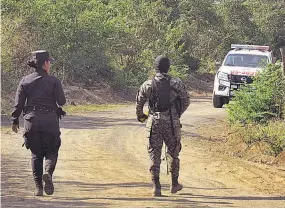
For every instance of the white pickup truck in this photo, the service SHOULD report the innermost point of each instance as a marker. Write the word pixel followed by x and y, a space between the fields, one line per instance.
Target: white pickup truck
pixel 238 67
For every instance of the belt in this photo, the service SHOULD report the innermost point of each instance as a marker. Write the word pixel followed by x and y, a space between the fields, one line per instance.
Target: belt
pixel 39 109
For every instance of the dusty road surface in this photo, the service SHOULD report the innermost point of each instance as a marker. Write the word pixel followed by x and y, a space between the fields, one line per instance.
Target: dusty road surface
pixel 103 162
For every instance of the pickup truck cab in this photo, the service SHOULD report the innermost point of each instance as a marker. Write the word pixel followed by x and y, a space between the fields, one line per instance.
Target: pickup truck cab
pixel 238 67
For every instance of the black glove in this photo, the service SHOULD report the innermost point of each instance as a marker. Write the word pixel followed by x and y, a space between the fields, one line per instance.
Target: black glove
pixel 15 124
pixel 15 127
pixel 60 113
pixel 142 118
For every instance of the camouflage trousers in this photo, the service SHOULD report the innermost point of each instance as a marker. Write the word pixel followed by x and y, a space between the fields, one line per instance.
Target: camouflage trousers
pixel 161 131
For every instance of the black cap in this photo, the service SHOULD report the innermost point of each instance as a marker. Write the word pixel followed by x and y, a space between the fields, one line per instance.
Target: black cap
pixel 41 56
pixel 38 59
pixel 162 64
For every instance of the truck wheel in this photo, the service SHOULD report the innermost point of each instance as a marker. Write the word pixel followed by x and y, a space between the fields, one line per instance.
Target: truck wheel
pixel 218 101
pixel 227 100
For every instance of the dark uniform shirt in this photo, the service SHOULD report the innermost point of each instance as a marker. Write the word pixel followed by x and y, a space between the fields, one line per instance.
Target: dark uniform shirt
pixel 38 89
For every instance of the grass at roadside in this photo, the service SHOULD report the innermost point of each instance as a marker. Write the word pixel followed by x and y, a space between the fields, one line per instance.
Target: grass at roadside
pixel 270 135
pixel 261 143
pixel 6 130
pixel 91 107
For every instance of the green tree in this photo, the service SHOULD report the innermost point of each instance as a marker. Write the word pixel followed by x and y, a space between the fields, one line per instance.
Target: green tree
pixel 269 16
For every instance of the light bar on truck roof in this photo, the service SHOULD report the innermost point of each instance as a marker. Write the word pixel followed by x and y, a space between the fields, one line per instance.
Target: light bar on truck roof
pixel 256 47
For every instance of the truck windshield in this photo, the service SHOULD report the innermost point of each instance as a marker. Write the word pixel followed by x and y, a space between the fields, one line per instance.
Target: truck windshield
pixel 246 60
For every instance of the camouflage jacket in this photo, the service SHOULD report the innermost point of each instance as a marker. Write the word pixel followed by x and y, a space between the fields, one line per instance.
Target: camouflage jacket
pixel 178 90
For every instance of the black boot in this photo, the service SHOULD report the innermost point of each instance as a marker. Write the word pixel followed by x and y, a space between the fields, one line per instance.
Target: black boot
pixel 39 187
pixel 175 187
pixel 156 187
pixel 49 188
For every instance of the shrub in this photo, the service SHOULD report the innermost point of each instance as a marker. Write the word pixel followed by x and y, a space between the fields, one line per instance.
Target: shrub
pixel 257 110
pixel 260 101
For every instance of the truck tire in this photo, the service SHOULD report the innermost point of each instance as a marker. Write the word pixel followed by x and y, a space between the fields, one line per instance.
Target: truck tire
pixel 218 102
pixel 226 100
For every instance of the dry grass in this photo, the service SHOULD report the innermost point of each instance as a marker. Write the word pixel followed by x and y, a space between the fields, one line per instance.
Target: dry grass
pixel 91 107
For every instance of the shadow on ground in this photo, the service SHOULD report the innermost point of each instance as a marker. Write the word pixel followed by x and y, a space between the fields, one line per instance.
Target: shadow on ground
pixel 246 198
pixel 83 122
pixel 17 191
pixel 17 188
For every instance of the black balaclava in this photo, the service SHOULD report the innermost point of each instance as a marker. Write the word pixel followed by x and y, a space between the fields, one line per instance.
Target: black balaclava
pixel 162 64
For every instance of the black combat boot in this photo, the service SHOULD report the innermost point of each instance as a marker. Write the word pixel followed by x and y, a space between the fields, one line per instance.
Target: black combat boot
pixel 175 187
pixel 156 187
pixel 49 188
pixel 39 187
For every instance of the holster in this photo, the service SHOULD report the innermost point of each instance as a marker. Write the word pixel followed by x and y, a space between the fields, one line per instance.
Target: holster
pixel 60 113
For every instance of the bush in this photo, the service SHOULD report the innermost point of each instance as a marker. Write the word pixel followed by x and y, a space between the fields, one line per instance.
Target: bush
pixel 257 110
pixel 179 72
pixel 128 80
pixel 207 66
pixel 260 101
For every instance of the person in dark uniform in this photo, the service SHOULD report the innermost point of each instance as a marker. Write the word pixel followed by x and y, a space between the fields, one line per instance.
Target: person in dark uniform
pixel 39 96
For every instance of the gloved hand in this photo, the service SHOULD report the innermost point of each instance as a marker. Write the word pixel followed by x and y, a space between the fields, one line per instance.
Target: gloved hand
pixel 60 112
pixel 142 118
pixel 15 127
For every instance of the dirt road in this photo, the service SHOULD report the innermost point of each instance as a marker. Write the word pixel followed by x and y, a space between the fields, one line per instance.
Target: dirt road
pixel 103 162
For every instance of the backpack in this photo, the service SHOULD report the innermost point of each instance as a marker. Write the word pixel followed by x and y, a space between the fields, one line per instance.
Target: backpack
pixel 159 100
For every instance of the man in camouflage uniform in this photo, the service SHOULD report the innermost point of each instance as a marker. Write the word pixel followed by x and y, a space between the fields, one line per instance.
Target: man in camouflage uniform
pixel 163 126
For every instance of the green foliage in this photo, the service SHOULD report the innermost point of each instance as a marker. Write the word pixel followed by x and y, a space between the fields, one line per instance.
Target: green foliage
pixel 269 16
pixel 116 41
pixel 207 65
pixel 257 110
pixel 260 101
pixel 128 79
pixel 179 71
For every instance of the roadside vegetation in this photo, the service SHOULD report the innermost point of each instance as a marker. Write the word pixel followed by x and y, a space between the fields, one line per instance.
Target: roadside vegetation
pixel 256 113
pixel 114 42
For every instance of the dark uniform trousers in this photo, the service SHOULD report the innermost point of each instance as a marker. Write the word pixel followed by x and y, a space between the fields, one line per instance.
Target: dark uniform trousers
pixel 42 137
